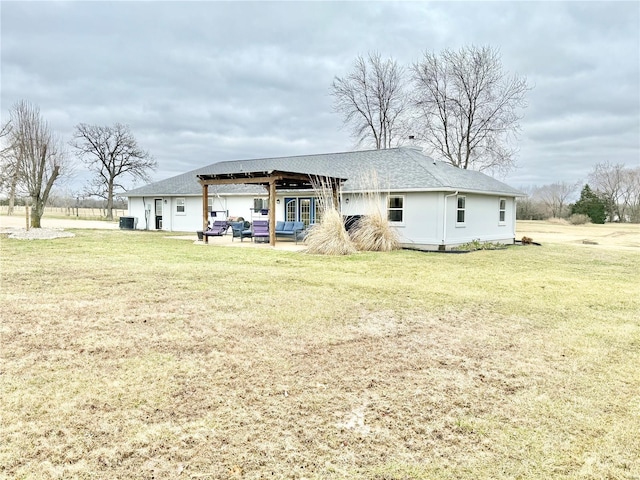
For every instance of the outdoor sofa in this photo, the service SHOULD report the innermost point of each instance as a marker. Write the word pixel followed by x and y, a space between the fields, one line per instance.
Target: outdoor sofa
pixel 293 230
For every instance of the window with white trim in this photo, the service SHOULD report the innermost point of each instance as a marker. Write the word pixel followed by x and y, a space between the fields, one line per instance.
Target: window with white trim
pixel 210 204
pixel 461 210
pixel 180 207
pixel 502 210
pixel 395 208
pixel 260 204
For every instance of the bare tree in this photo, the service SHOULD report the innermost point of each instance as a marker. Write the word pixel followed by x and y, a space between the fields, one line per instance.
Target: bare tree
pixel 35 155
pixel 8 173
pixel 608 180
pixel 555 197
pixel 529 207
pixel 468 106
pixel 111 153
pixel 632 194
pixel 372 101
pixel 619 186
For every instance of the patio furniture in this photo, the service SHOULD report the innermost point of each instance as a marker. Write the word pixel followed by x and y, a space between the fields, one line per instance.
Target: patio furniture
pixel 240 230
pixel 293 230
pixel 218 229
pixel 260 230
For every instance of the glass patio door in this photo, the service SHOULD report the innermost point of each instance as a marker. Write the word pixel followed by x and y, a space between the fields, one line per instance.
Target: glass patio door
pixel 299 210
pixel 305 211
pixel 291 209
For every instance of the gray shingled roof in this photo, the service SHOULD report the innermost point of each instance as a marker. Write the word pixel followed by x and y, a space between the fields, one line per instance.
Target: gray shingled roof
pixel 397 170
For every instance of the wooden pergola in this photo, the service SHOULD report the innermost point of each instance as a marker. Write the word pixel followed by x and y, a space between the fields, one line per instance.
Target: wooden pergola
pixel 272 180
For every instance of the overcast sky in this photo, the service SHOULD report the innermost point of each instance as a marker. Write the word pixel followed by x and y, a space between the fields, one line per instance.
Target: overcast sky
pixel 201 82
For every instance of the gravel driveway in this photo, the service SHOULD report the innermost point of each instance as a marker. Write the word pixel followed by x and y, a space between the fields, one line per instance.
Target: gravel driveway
pixel 14 225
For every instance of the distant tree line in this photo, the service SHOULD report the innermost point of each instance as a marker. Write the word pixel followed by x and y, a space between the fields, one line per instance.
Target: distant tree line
pixel 612 194
pixel 33 158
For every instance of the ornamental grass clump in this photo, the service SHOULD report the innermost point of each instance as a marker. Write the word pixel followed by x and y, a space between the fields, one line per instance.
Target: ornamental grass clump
pixel 373 233
pixel 329 236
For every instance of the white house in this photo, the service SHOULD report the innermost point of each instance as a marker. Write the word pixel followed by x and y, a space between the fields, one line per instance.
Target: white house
pixel 432 205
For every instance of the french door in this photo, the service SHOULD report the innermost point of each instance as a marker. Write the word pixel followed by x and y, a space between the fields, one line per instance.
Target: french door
pixel 158 215
pixel 300 210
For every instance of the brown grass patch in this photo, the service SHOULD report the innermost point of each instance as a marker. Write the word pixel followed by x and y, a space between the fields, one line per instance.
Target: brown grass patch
pixel 131 356
pixel 373 234
pixel 619 236
pixel 329 237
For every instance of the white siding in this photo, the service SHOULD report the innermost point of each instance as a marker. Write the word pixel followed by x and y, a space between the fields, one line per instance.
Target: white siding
pixel 422 222
pixel 422 225
pixel 191 219
pixel 482 220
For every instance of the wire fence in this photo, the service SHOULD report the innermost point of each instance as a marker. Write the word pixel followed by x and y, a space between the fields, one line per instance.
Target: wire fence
pixel 86 213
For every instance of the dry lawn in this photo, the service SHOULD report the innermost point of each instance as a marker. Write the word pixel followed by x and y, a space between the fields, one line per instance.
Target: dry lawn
pixel 129 355
pixel 620 236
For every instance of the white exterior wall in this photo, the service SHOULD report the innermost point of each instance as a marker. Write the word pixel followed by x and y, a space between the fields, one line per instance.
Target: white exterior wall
pixel 422 216
pixel 481 220
pixel 191 219
pixel 422 225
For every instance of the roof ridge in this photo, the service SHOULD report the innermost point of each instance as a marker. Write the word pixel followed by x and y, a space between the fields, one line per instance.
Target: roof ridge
pixel 305 155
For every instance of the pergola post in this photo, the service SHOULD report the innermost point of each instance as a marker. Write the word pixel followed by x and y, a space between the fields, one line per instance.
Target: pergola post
pixel 336 195
pixel 272 212
pixel 205 210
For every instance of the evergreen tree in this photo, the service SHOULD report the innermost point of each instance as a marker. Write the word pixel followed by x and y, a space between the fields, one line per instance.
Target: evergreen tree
pixel 590 204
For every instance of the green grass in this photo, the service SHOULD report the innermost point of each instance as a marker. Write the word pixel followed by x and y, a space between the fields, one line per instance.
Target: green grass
pixel 129 355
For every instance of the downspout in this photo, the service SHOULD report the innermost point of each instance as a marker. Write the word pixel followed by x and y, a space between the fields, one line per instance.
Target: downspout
pixel 443 246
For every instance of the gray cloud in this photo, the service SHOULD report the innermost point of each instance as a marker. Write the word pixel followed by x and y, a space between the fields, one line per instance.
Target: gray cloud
pixel 204 81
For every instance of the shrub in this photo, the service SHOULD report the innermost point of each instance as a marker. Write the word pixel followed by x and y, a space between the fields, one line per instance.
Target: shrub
pixel 329 237
pixel 579 219
pixel 373 233
pixel 478 245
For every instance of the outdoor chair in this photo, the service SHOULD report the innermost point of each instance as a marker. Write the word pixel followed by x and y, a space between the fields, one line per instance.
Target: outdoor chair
pixel 240 230
pixel 260 230
pixel 218 229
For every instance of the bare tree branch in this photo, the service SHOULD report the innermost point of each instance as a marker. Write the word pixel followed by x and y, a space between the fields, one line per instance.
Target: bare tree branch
pixel 555 197
pixel 372 101
pixel 468 107
pixel 111 153
pixel 620 188
pixel 36 157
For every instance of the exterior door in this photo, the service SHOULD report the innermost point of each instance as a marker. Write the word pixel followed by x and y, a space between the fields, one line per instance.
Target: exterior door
pixel 290 209
pixel 305 211
pixel 158 214
pixel 300 210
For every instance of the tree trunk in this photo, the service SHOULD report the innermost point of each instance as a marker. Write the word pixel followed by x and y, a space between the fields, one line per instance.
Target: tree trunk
pixel 12 196
pixel 109 208
pixel 36 213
